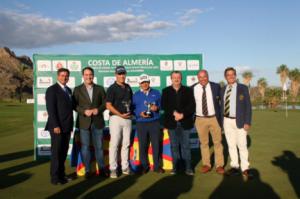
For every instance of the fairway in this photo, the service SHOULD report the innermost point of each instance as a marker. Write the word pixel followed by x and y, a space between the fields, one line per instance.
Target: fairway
pixel 274 158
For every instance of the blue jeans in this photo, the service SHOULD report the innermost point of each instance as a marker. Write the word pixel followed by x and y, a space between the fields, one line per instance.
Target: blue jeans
pixel 97 137
pixel 180 138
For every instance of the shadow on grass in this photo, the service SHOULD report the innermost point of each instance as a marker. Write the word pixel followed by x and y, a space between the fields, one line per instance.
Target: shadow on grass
pixel 290 164
pixel 8 178
pixel 238 187
pixel 15 155
pixel 114 188
pixel 169 187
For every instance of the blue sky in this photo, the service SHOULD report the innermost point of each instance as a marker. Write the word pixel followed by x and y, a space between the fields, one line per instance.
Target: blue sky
pixel 249 35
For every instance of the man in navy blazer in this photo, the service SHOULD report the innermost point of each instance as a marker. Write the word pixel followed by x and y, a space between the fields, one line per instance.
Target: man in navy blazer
pixel 236 114
pixel 208 120
pixel 60 124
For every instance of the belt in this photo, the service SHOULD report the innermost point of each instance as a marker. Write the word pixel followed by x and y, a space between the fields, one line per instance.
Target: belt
pixel 209 116
pixel 230 117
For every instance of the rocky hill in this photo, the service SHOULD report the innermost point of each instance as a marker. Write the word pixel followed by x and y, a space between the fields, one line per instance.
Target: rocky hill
pixel 16 75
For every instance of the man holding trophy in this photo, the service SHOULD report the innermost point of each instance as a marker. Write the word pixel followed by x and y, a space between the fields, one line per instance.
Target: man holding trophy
pixel 146 104
pixel 118 102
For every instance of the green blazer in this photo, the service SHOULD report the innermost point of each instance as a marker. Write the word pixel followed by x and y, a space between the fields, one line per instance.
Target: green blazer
pixel 82 102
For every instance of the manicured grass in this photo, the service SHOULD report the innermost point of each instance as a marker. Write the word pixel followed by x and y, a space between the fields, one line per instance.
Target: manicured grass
pixel 274 157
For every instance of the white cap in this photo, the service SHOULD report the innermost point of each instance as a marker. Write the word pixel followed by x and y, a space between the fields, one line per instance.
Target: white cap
pixel 144 78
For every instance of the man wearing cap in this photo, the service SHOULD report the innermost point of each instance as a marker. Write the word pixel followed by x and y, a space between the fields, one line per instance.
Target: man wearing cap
pixel 119 104
pixel 89 100
pixel 146 104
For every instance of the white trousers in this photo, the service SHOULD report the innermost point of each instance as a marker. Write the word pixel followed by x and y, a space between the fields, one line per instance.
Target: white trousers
pixel 236 138
pixel 120 130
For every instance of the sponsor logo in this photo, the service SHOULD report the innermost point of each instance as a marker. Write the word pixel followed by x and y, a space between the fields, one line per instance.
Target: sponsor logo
pixel 108 81
pixel 180 65
pixel 41 100
pixel 193 65
pixel 71 82
pixel 106 115
pixel 168 81
pixel 57 64
pixel 42 116
pixel 44 149
pixel 44 82
pixel 191 79
pixel 155 81
pixel 43 134
pixel 43 65
pixel 133 81
pixel 166 65
pixel 74 65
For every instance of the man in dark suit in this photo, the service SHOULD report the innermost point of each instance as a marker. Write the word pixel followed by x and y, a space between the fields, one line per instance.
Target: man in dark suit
pixel 179 106
pixel 89 100
pixel 207 98
pixel 236 115
pixel 60 124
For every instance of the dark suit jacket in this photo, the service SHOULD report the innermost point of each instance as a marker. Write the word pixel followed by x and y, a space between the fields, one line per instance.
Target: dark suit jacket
pixel 82 102
pixel 215 89
pixel 243 105
pixel 59 108
pixel 186 105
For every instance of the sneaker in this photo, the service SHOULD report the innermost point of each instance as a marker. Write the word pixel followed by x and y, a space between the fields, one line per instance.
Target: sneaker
pixel 126 171
pixel 189 172
pixel 113 174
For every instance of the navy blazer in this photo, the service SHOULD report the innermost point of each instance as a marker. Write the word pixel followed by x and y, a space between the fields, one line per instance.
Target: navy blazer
pixel 60 109
pixel 243 105
pixel 216 91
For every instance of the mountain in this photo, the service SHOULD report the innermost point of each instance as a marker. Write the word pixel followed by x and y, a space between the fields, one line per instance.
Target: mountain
pixel 16 75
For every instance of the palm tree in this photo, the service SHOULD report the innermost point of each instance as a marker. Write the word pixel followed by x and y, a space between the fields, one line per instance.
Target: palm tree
pixel 283 72
pixel 294 76
pixel 247 76
pixel 262 85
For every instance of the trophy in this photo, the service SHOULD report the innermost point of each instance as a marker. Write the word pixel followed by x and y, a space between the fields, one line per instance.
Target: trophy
pixel 127 105
pixel 148 111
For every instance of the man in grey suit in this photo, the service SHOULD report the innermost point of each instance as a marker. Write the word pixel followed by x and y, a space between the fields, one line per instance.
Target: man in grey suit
pixel 236 111
pixel 89 99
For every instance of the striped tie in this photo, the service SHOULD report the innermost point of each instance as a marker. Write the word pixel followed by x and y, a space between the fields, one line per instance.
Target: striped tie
pixel 227 102
pixel 204 103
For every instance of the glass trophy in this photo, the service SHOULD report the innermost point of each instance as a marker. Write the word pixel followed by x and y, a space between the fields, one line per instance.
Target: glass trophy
pixel 127 104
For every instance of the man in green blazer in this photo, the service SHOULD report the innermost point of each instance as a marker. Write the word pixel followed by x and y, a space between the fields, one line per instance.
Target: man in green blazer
pixel 89 99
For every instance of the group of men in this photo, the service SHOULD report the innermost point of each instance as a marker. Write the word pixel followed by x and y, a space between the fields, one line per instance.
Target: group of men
pixel 204 105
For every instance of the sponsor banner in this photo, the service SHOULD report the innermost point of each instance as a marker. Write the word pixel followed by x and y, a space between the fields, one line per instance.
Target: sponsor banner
pixel 43 65
pixel 43 134
pixel 133 81
pixel 166 65
pixel 180 65
pixel 44 149
pixel 168 81
pixel 57 64
pixel 106 115
pixel 191 80
pixel 42 116
pixel 193 65
pixel 155 81
pixel 74 65
pixel 44 82
pixel 41 99
pixel 71 82
pixel 108 81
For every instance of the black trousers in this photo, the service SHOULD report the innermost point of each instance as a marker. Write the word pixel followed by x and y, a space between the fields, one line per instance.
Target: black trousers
pixel 59 150
pixel 151 129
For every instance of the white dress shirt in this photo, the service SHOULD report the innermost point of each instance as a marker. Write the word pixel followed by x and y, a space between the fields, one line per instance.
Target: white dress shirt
pixel 198 92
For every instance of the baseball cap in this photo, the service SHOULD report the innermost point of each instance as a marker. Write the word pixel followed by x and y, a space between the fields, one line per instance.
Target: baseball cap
pixel 144 78
pixel 120 69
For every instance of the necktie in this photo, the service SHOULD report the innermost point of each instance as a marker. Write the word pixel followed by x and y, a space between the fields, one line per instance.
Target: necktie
pixel 66 91
pixel 204 102
pixel 227 102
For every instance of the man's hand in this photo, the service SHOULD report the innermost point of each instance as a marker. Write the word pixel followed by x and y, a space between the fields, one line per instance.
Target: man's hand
pixel 88 112
pixel 57 130
pixel 178 116
pixel 125 115
pixel 246 127
pixel 144 115
pixel 95 111
pixel 154 108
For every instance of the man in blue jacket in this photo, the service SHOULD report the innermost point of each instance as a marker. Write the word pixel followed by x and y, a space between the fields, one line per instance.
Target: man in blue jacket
pixel 237 112
pixel 146 104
